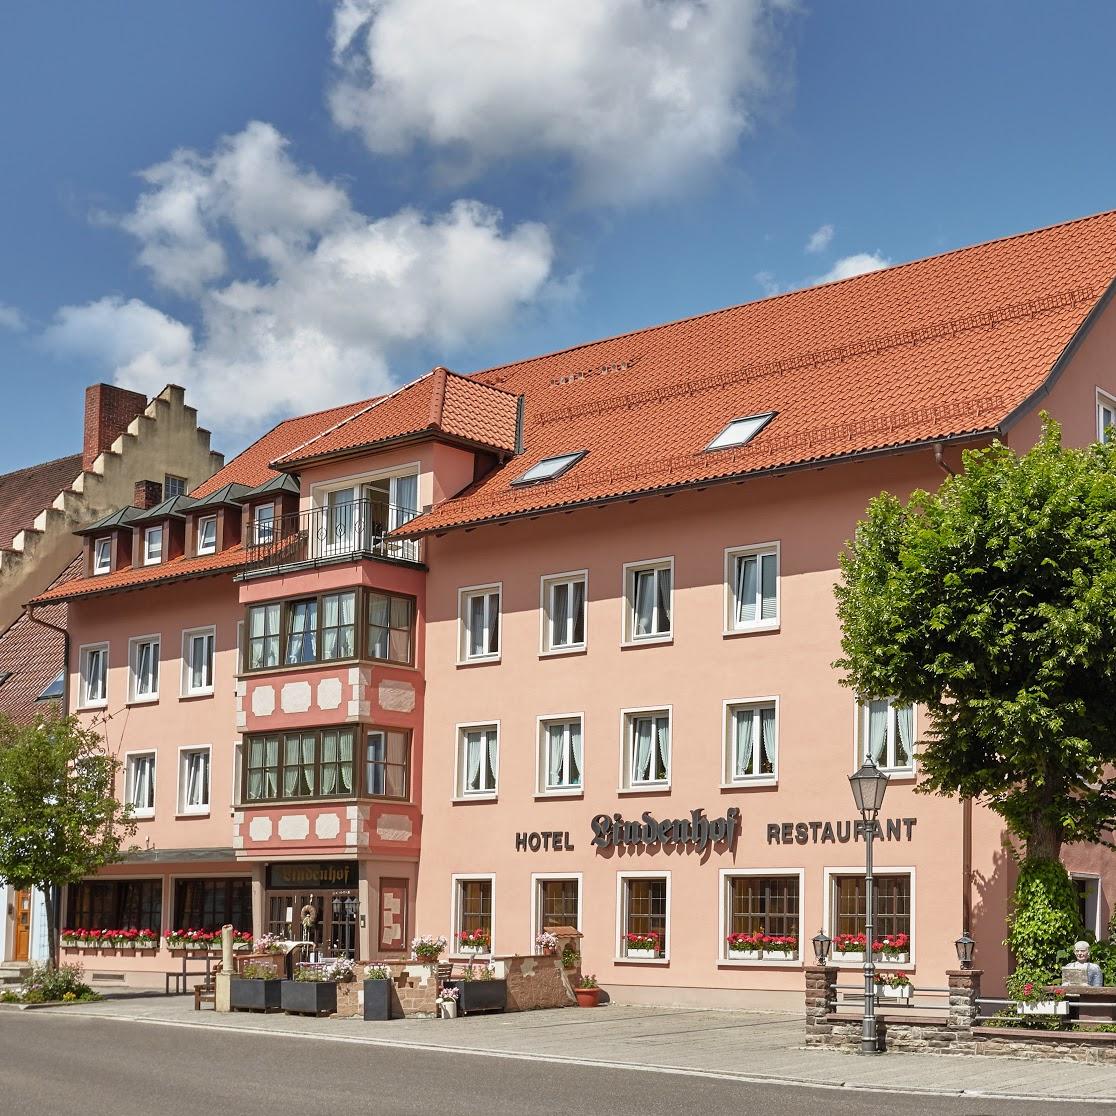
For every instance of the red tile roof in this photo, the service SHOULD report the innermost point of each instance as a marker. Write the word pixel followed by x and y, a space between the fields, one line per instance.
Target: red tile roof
pixel 937 348
pixel 441 403
pixel 26 492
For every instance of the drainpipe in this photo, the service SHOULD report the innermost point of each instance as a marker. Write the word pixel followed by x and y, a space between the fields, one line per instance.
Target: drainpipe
pixel 939 458
pixel 29 609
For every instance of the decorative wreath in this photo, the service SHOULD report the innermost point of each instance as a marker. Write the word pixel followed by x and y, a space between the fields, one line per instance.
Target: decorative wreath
pixel 309 915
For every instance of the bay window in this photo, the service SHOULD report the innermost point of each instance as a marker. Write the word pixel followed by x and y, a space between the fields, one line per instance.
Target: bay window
pixel 391 624
pixel 315 763
pixel 339 625
pixel 263 636
pixel 387 763
pixel 302 632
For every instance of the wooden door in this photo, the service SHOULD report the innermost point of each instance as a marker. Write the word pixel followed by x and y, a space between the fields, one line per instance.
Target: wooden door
pixel 22 939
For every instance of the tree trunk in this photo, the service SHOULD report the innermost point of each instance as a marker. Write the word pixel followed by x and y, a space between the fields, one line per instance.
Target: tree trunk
pixel 50 893
pixel 1045 839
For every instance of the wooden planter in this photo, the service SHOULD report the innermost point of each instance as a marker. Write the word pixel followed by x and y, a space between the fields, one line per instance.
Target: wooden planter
pixel 377 1000
pixel 479 995
pixel 255 995
pixel 309 997
pixel 587 997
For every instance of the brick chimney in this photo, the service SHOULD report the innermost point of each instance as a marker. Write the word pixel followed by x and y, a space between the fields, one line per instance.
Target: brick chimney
pixel 108 410
pixel 148 494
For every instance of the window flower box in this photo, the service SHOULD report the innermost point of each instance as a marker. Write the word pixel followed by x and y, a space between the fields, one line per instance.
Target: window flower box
pixel 893 986
pixel 745 947
pixel 428 949
pixel 254 994
pixel 1043 1007
pixel 894 949
pixel 780 947
pixel 474 941
pixel 640 954
pixel 641 947
pixel 850 948
pixel 308 997
pixel 479 995
pixel 1034 999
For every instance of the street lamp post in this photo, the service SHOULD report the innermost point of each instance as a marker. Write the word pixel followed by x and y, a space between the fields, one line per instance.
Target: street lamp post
pixel 868 786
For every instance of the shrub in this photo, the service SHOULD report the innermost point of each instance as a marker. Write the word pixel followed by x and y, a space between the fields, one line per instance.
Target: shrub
pixel 64 983
pixel 1044 921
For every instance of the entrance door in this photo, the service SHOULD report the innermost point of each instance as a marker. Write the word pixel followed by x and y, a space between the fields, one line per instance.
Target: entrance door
pixel 21 943
pixel 326 918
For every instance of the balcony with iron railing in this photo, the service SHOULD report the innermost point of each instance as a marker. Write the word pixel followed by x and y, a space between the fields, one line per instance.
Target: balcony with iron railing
pixel 325 535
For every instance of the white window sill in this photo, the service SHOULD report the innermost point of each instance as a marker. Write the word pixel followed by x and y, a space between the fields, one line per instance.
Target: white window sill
pixel 475 797
pixel 143 815
pixel 205 553
pixel 753 629
pixel 197 694
pixel 756 781
pixel 649 641
pixel 478 660
pixel 101 573
pixel 899 775
pixel 92 706
pixel 761 963
pixel 563 792
pixel 192 813
pixel 153 561
pixel 641 960
pixel 147 699
pixel 644 788
pixel 557 652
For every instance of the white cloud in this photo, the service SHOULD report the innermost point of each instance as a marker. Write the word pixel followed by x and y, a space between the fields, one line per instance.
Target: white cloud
pixel 11 318
pixel 327 294
pixel 767 282
pixel 859 263
pixel 820 239
pixel 638 95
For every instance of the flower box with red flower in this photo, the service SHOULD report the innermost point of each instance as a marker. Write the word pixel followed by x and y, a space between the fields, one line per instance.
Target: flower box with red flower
pixel 894 986
pixel 474 941
pixel 745 947
pixel 1040 999
pixel 849 947
pixel 780 947
pixel 641 947
pixel 894 948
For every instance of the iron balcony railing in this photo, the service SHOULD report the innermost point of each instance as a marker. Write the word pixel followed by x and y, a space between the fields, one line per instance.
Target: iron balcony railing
pixel 353 530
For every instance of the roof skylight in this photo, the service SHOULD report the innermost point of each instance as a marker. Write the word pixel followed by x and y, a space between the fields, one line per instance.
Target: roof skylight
pixel 550 467
pixel 55 689
pixel 740 431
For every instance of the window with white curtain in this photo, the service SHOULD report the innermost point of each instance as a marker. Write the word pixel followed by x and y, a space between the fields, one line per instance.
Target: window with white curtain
pixel 480 623
pixel 1106 417
pixel 94 674
pixel 649 596
pixel 339 625
pixel 152 546
pixel 144 656
pixel 477 760
pixel 302 631
pixel 263 636
pixel 887 735
pixel 197 661
pixel 560 754
pixel 752 588
pixel 193 781
pixel 646 748
pixel 563 602
pixel 207 534
pixel 139 771
pixel 751 744
pixel 102 556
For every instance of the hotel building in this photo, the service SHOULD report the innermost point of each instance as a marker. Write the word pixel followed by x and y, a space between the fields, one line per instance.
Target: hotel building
pixel 551 644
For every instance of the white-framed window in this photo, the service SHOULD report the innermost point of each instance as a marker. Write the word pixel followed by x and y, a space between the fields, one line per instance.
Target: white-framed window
pixel 173 486
pixel 1088 888
pixel 152 546
pixel 761 915
pixel 197 661
pixel 740 431
pixel 478 760
pixel 560 754
pixel 646 750
pixel 1106 416
pixel 845 906
pixel 193 780
pixel 93 683
pixel 474 913
pixel 751 752
pixel 359 511
pixel 887 734
pixel 563 612
pixel 139 783
pixel 550 468
pixel 143 659
pixel 648 601
pixel 643 916
pixel 102 556
pixel 207 534
pixel 752 588
pixel 263 524
pixel 479 611
pixel 555 901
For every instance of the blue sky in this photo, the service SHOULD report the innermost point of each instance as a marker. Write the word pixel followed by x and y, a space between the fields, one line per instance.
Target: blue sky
pixel 466 187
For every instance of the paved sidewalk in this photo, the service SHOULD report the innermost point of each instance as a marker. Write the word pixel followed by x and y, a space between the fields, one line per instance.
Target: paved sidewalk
pixel 736 1045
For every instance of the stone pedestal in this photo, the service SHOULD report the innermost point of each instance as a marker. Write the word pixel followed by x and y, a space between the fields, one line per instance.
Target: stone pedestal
pixel 222 988
pixel 821 1000
pixel 964 991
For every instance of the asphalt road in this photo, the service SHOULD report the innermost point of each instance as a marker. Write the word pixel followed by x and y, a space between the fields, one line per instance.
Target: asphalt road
pixel 57 1066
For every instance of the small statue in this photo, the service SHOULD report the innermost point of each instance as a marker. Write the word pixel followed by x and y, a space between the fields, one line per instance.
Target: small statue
pixel 1082 971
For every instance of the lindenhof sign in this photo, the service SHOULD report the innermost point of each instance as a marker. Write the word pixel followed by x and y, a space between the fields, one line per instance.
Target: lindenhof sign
pixel 614 830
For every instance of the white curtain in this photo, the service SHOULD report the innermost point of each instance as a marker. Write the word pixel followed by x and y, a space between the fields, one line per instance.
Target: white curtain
pixel 560 615
pixel 555 747
pixel 378 620
pixel 329 763
pixel 641 769
pixel 197 779
pixel 490 760
pixel 578 610
pixel 744 734
pixel 302 632
pixel 290 766
pixel 143 788
pixel 904 734
pixel 573 775
pixel 404 499
pixel 201 662
pixel 477 643
pixel 663 585
pixel 273 766
pixel 644 601
pixel 662 746
pixel 877 732
pixel 473 743
pixel 746 590
pixel 147 668
pixel 767 740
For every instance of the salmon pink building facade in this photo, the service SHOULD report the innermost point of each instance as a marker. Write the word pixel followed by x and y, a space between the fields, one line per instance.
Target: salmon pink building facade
pixel 551 645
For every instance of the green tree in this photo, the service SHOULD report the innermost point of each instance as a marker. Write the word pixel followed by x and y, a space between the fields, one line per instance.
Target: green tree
pixel 992 603
pixel 59 817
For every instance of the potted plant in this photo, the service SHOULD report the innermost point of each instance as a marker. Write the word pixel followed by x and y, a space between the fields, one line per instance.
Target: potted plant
pixel 146 939
pixel 377 993
pixel 447 1003
pixel 894 986
pixel 257 987
pixel 849 947
pixel 643 946
pixel 895 948
pixel 547 943
pixel 570 957
pixel 587 992
pixel 1039 999
pixel 428 948
pixel 745 947
pixel 780 947
pixel 479 989
pixel 474 941
pixel 269 943
pixel 314 988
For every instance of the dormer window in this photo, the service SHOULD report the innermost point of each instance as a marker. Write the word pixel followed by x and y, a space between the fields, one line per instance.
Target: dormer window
pixel 264 524
pixel 740 431
pixel 102 556
pixel 152 546
pixel 207 534
pixel 550 467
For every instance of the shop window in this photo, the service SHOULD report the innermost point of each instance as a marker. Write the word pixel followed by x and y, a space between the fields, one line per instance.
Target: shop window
pixel 209 904
pixel 94 674
pixel 197 662
pixel 473 910
pixel 644 917
pixel 193 781
pixel 477 760
pixel 391 626
pixel 387 763
pixel 557 903
pixel 893 905
pixel 751 743
pixel 649 601
pixel 115 905
pixel 143 658
pixel 563 603
pixel 139 779
pixel 752 588
pixel 316 763
pixel 646 749
pixel 764 905
pixel 887 735
pixel 480 624
pixel 560 755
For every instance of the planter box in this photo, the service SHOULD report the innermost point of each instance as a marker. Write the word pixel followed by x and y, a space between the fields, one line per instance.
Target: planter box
pixel 309 997
pixel 901 994
pixel 377 1000
pixel 255 995
pixel 641 954
pixel 472 949
pixel 850 958
pixel 780 955
pixel 1044 1007
pixel 745 954
pixel 479 995
pixel 892 958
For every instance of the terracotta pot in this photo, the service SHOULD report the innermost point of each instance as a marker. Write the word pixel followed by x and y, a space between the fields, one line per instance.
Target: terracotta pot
pixel 587 997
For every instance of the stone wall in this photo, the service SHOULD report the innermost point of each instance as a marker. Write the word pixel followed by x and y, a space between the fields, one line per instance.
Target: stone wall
pixel 414 990
pixel 1079 1046
pixel 536 982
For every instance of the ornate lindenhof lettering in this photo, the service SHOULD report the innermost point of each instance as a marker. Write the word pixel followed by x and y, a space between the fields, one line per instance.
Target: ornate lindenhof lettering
pixel 611 830
pixel 324 875
pixel 823 833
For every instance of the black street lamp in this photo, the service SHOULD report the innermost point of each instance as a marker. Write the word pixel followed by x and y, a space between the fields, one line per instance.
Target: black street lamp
pixel 868 786
pixel 964 946
pixel 822 942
